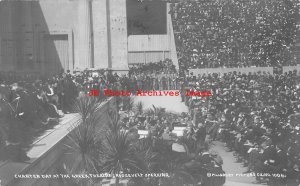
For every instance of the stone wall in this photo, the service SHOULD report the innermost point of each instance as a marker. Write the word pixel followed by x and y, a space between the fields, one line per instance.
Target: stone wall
pixel 222 71
pixel 46 36
pixel 153 48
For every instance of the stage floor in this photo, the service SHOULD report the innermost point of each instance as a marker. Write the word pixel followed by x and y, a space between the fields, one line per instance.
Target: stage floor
pixel 171 103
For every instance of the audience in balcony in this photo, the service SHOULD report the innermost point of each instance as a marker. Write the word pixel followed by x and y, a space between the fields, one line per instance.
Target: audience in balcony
pixel 236 33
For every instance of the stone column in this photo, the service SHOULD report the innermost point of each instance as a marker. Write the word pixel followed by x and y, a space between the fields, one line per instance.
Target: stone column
pixel 84 43
pixel 6 33
pixel 119 38
pixel 108 34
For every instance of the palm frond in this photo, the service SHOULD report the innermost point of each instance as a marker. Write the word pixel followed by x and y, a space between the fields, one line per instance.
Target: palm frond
pixel 159 111
pixel 139 108
pixel 149 112
pixel 84 142
pixel 87 106
pixel 128 103
pixel 154 107
pixel 114 121
pixel 146 156
pixel 178 173
pixel 118 153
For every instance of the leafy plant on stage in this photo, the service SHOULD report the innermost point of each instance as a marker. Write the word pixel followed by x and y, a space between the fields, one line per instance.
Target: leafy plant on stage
pixel 179 175
pixel 121 154
pixel 149 112
pixel 85 142
pixel 146 154
pixel 159 112
pixel 118 154
pixel 87 106
pixel 113 124
pixel 139 108
pixel 148 161
pixel 128 103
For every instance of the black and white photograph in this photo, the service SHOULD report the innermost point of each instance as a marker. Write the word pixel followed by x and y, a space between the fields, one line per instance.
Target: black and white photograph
pixel 149 92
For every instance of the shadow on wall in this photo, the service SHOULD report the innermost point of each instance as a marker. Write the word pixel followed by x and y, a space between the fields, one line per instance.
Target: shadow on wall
pixel 27 45
pixel 148 17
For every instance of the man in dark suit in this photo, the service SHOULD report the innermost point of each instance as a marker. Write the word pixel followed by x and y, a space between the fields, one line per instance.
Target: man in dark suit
pixel 200 135
pixel 62 92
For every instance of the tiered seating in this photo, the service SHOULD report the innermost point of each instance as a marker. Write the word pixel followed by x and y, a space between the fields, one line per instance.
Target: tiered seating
pixel 257 115
pixel 221 33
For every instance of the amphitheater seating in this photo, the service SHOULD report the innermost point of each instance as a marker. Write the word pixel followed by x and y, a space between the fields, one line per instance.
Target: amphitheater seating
pixel 236 33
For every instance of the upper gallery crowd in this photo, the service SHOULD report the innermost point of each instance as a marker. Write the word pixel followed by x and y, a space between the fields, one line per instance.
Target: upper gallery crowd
pixel 236 33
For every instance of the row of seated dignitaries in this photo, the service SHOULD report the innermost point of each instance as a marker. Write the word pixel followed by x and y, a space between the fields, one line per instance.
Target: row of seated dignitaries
pixel 28 107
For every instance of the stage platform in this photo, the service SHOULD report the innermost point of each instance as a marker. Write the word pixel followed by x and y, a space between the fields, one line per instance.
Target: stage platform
pixel 41 146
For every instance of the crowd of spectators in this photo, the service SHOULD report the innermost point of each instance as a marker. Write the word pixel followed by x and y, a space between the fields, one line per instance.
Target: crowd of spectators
pixel 174 145
pixel 257 115
pixel 152 76
pixel 29 105
pixel 236 33
pixel 162 67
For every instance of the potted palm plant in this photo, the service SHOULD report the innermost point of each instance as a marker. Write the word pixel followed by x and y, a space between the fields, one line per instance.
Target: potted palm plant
pixel 84 141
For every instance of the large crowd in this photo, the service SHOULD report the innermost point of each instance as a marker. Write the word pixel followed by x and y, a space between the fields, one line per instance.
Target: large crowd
pixel 29 105
pixel 152 76
pixel 162 67
pixel 174 137
pixel 257 116
pixel 236 33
